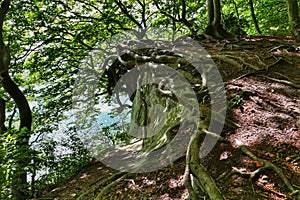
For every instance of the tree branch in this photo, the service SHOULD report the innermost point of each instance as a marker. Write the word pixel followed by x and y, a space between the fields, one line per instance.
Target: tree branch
pixel 2 115
pixel 125 11
pixel 3 11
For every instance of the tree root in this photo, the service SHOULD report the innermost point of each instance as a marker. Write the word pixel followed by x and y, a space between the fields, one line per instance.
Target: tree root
pixel 289 83
pixel 101 181
pixel 230 59
pixel 228 122
pixel 203 181
pixel 109 186
pixel 267 165
pixel 261 62
pixel 257 71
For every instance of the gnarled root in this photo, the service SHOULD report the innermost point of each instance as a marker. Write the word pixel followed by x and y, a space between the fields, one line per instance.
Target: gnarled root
pixel 231 60
pixel 266 165
pixel 196 176
pixel 102 181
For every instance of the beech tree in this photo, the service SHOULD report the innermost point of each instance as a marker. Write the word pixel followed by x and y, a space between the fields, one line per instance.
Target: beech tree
pixel 20 189
pixel 293 11
pixel 214 27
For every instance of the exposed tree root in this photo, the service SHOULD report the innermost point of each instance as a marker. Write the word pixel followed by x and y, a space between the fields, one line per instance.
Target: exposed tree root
pixel 196 177
pixel 225 58
pixel 266 165
pixel 244 75
pixel 257 71
pixel 109 186
pixel 289 83
pixel 231 60
pixel 275 63
pixel 101 181
pixel 261 62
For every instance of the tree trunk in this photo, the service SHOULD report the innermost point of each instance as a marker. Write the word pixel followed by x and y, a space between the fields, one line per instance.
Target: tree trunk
pixel 210 11
pixel 214 27
pixel 294 17
pixel 217 13
pixel 254 17
pixel 19 187
pixel 2 116
pixel 187 23
pixel 148 120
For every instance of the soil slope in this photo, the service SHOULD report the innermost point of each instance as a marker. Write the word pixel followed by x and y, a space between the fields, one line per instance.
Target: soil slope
pixel 263 90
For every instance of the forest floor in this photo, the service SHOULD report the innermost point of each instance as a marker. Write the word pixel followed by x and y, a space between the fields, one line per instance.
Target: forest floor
pixel 265 102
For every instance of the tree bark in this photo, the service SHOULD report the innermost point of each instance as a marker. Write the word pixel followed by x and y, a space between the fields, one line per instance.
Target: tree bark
pixel 207 183
pixel 254 17
pixel 2 116
pixel 214 27
pixel 210 11
pixel 20 178
pixel 217 13
pixel 187 23
pixel 294 17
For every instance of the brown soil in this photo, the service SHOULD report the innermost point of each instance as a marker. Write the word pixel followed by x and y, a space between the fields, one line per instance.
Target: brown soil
pixel 268 113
